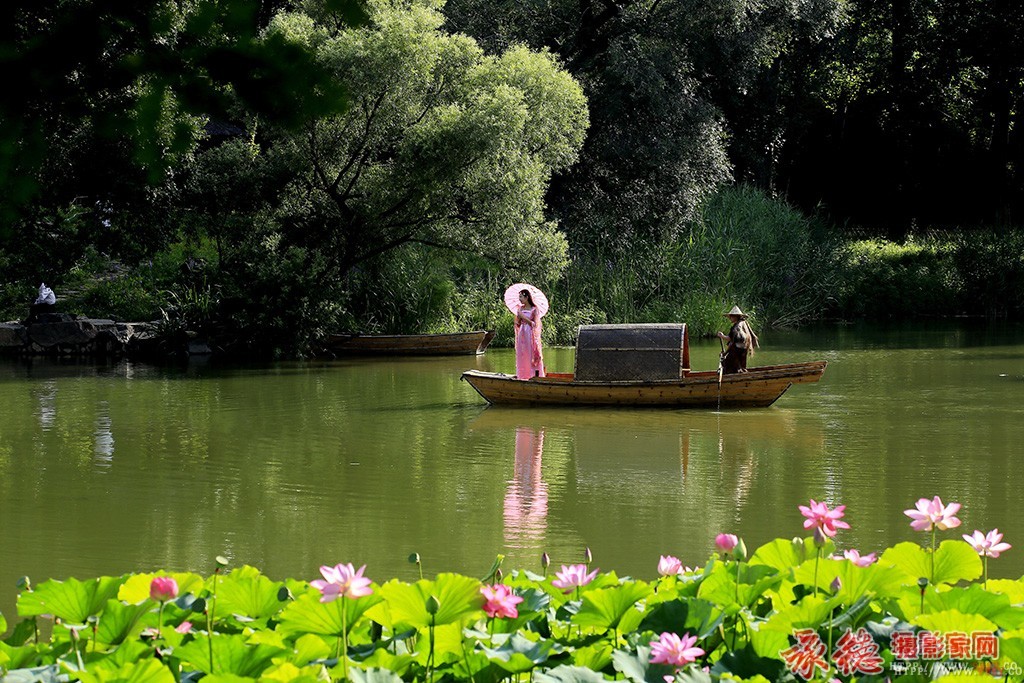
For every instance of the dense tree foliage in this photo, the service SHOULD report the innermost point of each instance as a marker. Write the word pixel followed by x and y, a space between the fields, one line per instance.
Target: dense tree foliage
pixel 442 146
pixel 911 116
pixel 658 74
pixel 104 102
pixel 293 164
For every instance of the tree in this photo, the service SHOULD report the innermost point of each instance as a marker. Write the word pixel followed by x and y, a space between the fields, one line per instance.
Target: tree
pixel 660 76
pixel 442 146
pixel 106 100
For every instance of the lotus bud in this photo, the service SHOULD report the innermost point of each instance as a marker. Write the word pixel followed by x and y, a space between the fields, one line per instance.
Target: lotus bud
pixel 740 551
pixel 836 584
pixel 498 576
pixel 433 605
pixel 588 556
pixel 725 543
pixel 819 538
pixel 163 588
pixel 545 562
pixel 798 546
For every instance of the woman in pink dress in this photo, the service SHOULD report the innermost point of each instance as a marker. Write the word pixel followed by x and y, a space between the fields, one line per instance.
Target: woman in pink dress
pixel 529 360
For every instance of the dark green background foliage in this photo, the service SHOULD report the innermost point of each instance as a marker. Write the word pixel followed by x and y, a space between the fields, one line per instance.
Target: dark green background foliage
pixel 271 171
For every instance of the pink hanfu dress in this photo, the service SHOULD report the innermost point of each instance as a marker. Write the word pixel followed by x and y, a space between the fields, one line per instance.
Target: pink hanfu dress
pixel 529 360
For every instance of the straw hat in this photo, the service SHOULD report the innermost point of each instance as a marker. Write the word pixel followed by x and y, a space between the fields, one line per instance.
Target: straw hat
pixel 736 311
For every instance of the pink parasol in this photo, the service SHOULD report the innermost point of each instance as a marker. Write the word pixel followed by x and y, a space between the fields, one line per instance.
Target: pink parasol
pixel 512 298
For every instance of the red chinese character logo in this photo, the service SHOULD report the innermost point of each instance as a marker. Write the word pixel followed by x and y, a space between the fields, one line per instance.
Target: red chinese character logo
pixel 958 645
pixel 857 652
pixel 904 645
pixel 986 645
pixel 931 645
pixel 807 655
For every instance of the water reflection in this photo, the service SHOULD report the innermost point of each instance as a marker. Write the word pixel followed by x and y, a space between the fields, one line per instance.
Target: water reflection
pixel 609 472
pixel 103 436
pixel 46 398
pixel 526 499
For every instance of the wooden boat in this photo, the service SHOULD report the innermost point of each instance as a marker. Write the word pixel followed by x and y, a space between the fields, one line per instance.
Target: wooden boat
pixel 758 387
pixel 643 365
pixel 459 343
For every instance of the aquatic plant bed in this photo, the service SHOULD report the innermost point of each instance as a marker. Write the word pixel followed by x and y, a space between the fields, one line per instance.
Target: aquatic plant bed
pixel 792 610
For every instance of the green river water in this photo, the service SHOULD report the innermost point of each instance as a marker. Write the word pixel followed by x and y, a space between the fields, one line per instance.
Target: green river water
pixel 106 469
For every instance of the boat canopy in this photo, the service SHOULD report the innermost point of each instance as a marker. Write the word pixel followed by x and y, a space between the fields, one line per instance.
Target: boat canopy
pixel 640 352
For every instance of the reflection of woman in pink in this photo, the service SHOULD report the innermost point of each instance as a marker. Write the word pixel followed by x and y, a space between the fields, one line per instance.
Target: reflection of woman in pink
pixel 526 500
pixel 529 359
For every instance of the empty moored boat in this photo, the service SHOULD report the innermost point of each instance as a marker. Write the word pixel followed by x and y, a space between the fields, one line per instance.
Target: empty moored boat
pixel 459 343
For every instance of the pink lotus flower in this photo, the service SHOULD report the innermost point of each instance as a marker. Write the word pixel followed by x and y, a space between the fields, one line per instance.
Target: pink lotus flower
pixel 669 566
pixel 163 588
pixel 575 576
pixel 726 542
pixel 987 545
pixel 674 650
pixel 860 560
pixel 500 601
pixel 820 517
pixel 183 627
pixel 931 514
pixel 342 579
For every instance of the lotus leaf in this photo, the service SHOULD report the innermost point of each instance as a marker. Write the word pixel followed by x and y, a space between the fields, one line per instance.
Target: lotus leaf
pixel 517 654
pixel 73 601
pixel 694 616
pixel 458 597
pixel 568 674
pixel 135 589
pixel 232 654
pixel 308 615
pixel 613 607
pixel 954 561
pixel 142 671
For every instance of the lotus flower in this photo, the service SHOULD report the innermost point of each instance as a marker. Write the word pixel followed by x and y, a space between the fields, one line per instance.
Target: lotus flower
pixel 931 514
pixel 163 588
pixel 860 560
pixel 500 601
pixel 726 542
pixel 675 650
pixel 183 627
pixel 820 517
pixel 669 566
pixel 987 545
pixel 342 579
pixel 575 576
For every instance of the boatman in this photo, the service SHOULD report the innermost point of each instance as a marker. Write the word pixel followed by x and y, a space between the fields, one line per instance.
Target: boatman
pixel 742 342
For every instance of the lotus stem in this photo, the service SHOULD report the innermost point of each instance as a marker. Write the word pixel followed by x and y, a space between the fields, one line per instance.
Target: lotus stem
pixel 817 559
pixel 344 639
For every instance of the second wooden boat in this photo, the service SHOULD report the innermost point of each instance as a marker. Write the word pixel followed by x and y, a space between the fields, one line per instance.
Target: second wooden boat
pixel 459 343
